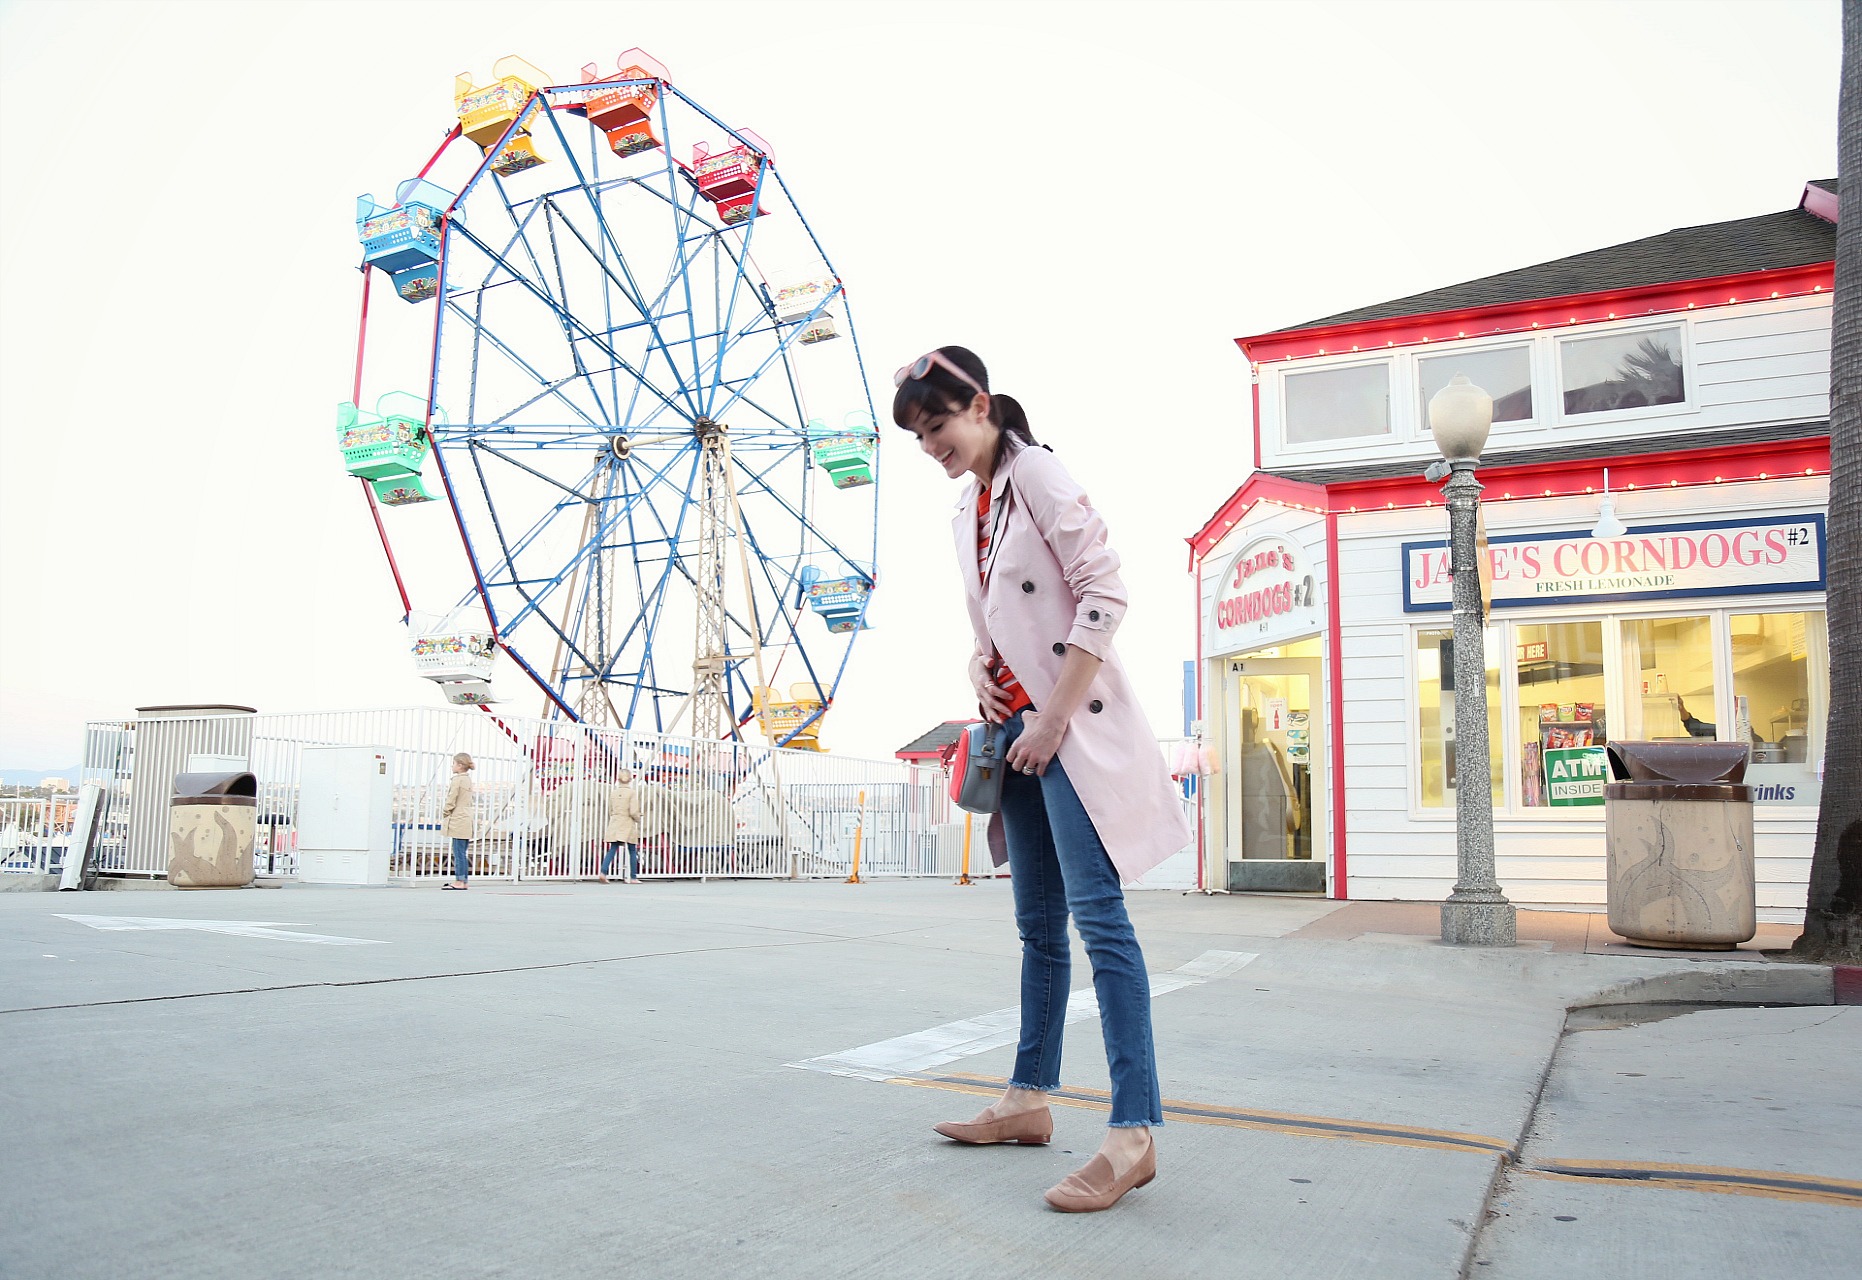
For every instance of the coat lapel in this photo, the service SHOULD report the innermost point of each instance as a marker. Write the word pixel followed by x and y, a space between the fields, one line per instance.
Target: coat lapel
pixel 999 494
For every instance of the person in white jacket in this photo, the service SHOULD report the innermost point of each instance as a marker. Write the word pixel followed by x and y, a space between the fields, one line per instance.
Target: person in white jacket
pixel 623 827
pixel 456 817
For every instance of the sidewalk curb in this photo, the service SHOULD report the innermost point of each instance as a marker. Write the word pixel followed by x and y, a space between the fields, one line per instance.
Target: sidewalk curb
pixel 1731 984
pixel 28 882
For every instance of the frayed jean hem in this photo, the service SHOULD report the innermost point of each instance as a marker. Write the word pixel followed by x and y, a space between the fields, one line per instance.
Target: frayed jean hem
pixel 1033 1088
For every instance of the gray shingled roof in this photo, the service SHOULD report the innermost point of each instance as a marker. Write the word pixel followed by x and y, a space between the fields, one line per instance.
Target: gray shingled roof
pixel 937 739
pixel 1793 238
pixel 1572 451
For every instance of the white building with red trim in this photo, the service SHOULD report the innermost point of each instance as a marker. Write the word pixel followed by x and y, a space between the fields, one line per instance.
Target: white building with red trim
pixel 1687 375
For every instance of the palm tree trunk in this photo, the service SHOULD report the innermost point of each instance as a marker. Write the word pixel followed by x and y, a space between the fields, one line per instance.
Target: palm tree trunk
pixel 1833 910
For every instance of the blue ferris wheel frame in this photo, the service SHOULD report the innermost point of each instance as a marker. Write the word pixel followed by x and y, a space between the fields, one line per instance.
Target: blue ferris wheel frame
pixel 683 386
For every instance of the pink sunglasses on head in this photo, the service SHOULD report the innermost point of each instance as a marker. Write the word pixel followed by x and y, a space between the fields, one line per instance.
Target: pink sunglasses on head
pixel 922 365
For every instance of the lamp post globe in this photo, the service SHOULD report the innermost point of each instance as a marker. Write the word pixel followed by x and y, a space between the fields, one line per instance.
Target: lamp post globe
pixel 1460 416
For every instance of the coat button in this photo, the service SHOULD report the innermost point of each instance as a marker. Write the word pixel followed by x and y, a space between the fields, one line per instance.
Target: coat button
pixel 1028 587
pixel 1095 706
pixel 1094 615
pixel 1060 648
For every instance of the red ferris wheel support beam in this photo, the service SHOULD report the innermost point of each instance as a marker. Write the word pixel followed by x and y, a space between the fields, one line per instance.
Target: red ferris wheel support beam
pixel 355 398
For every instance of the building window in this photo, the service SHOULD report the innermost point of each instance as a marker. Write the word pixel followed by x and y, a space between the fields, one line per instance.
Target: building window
pixel 1337 404
pixel 1505 373
pixel 1668 680
pixel 1622 371
pixel 1781 693
pixel 1435 676
pixel 1562 716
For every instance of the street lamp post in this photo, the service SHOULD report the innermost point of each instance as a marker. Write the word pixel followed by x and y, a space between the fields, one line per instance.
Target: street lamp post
pixel 1477 913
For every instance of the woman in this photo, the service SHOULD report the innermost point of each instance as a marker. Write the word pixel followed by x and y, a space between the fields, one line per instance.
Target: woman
pixel 623 827
pixel 456 817
pixel 1086 802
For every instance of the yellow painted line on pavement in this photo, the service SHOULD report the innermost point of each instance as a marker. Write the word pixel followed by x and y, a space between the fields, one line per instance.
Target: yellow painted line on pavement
pixel 1765 1183
pixel 1720 1180
pixel 1241 1117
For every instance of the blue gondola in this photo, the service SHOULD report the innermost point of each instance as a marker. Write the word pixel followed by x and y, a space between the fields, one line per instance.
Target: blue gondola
pixel 403 239
pixel 840 601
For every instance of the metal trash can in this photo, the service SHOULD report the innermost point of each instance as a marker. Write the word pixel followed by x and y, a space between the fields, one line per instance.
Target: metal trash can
pixel 1678 826
pixel 210 830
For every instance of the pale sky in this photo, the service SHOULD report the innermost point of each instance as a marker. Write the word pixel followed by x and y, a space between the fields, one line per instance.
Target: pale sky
pixel 1097 198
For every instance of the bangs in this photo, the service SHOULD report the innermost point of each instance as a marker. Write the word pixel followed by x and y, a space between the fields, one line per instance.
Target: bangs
pixel 936 392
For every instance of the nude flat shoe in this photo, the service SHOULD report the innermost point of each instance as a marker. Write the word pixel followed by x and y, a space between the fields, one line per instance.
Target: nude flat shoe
pixel 1093 1188
pixel 1030 1128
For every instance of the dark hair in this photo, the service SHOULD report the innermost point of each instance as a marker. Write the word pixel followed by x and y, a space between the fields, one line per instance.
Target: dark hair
pixel 940 391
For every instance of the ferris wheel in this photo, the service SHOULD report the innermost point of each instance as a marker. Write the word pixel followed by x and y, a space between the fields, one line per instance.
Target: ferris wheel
pixel 611 364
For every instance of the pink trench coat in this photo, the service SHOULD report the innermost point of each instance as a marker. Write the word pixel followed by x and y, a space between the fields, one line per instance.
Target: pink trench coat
pixel 1053 581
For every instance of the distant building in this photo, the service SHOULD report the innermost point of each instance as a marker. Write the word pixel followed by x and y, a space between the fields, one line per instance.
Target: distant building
pixel 57 785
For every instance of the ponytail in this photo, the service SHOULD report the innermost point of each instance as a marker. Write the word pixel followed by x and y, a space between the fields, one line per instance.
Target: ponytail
pixel 1007 413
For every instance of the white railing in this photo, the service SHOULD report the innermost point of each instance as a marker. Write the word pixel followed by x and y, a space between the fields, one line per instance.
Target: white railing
pixel 35 833
pixel 541 791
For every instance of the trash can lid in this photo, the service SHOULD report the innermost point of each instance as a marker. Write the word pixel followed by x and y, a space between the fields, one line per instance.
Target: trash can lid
pixel 1696 761
pixel 216 788
pixel 1722 792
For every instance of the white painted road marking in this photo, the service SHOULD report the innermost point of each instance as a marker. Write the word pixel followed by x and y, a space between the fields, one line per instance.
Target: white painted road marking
pixel 923 1050
pixel 236 928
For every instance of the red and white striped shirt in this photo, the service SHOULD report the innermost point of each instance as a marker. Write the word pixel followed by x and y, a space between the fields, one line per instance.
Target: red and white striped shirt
pixel 1005 679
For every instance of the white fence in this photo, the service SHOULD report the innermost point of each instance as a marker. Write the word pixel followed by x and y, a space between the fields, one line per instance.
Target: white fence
pixel 35 833
pixel 541 789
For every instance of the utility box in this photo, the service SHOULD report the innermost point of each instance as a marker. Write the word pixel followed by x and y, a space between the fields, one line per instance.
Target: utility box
pixel 1678 828
pixel 345 815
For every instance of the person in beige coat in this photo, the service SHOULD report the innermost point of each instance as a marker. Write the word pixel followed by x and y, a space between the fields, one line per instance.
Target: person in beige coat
pixel 1086 802
pixel 456 818
pixel 623 827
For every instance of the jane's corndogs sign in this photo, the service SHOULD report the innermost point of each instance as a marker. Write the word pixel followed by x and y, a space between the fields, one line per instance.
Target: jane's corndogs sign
pixel 1720 557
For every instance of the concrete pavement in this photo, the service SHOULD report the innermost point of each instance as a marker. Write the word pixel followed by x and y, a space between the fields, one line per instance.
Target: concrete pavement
pixel 556 1080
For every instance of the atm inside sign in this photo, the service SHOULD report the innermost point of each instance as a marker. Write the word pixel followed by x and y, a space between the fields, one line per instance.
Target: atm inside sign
pixel 1575 775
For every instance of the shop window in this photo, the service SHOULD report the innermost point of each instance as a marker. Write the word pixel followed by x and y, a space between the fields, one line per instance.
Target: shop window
pixel 1668 680
pixel 1781 693
pixel 1337 404
pixel 1622 371
pixel 1435 700
pixel 1307 648
pixel 1563 721
pixel 1504 373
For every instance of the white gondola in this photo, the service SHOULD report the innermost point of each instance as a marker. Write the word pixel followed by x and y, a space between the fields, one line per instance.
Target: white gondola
pixel 459 661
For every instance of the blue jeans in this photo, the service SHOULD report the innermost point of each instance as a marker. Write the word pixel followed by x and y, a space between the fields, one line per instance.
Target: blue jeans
pixel 633 858
pixel 462 865
pixel 1059 868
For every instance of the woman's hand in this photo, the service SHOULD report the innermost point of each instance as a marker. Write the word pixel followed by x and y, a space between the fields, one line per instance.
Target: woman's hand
pixel 1035 747
pixel 990 696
